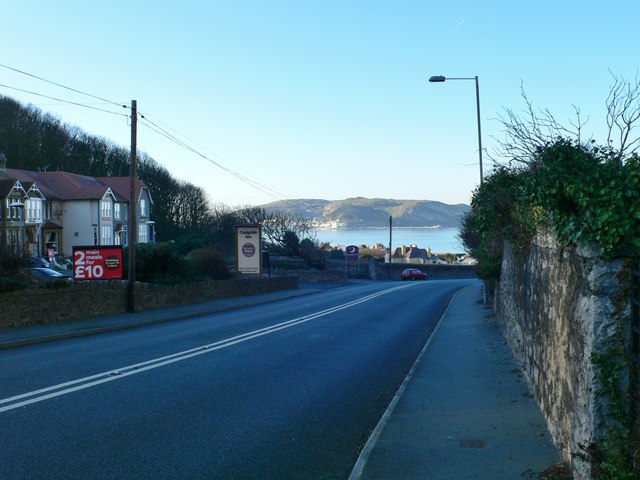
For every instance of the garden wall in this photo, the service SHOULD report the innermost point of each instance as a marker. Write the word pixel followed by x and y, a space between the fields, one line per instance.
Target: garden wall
pixel 556 307
pixel 81 300
pixel 380 270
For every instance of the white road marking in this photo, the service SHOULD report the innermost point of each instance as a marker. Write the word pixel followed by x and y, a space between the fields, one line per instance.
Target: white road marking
pixel 66 388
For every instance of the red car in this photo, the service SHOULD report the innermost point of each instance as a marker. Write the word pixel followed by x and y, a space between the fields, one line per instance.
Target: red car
pixel 413 274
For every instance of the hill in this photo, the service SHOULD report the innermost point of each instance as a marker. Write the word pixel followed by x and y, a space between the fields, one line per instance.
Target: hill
pixel 373 212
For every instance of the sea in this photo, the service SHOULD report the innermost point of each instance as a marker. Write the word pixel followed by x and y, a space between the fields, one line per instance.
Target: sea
pixel 440 240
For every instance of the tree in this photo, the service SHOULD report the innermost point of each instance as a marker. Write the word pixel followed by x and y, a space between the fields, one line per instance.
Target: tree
pixel 623 113
pixel 33 140
pixel 291 244
pixel 526 136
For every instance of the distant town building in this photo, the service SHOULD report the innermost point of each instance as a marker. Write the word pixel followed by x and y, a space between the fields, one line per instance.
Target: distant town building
pixel 415 254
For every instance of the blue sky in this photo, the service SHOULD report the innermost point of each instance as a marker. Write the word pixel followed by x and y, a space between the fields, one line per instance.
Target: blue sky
pixel 315 99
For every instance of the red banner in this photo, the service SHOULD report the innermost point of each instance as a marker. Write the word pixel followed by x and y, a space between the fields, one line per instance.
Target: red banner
pixel 97 263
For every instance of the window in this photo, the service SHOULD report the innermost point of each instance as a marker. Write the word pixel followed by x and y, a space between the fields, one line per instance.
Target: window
pixel 105 209
pixel 106 235
pixel 52 241
pixel 143 208
pixel 116 211
pixel 34 211
pixel 14 212
pixel 142 233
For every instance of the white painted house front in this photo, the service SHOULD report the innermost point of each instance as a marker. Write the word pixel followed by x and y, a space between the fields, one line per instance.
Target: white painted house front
pixel 55 211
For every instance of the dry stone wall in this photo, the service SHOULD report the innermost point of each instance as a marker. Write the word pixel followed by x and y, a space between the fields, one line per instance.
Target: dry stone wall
pixel 41 305
pixel 556 307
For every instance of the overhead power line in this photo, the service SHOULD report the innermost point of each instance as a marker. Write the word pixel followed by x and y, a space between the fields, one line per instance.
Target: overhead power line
pixel 263 188
pixel 149 124
pixel 62 86
pixel 64 101
pixel 245 177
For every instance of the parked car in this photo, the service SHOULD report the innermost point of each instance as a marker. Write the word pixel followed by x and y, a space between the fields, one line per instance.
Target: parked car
pixel 413 274
pixel 39 262
pixel 47 274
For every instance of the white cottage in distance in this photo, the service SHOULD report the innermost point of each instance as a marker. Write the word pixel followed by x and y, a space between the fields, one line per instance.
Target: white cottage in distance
pixel 55 211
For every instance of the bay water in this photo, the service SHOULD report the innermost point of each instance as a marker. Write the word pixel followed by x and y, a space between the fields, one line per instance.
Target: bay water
pixel 440 240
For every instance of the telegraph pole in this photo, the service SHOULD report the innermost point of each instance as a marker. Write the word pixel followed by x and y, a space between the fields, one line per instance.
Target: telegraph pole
pixel 390 252
pixel 133 211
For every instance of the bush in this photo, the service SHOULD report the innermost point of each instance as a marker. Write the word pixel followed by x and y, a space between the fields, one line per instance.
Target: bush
pixel 11 284
pixel 500 210
pixel 160 263
pixel 311 254
pixel 209 263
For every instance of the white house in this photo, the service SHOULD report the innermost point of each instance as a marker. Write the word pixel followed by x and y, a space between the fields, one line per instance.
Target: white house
pixel 43 211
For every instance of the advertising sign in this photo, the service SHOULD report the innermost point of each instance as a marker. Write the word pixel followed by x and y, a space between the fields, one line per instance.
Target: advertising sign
pixel 352 251
pixel 249 249
pixel 97 263
pixel 353 254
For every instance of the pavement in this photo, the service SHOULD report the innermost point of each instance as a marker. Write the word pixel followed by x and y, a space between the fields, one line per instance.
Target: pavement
pixel 464 410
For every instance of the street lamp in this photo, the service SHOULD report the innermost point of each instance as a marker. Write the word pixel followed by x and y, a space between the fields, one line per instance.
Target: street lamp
pixel 442 78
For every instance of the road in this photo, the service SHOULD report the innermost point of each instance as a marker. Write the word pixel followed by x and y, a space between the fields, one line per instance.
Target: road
pixel 286 390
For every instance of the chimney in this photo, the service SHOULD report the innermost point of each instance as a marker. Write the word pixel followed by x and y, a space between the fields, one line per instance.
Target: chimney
pixel 3 162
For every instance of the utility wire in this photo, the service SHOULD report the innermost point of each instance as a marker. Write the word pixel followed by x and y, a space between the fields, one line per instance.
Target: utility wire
pixel 245 176
pixel 62 86
pixel 64 101
pixel 149 124
pixel 147 116
pixel 239 176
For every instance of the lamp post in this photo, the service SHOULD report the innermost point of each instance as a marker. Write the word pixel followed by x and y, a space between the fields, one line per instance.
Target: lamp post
pixel 442 78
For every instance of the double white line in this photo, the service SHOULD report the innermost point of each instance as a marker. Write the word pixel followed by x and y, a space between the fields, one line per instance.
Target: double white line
pixel 43 394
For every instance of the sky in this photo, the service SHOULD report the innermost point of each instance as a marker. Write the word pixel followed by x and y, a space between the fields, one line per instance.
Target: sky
pixel 330 99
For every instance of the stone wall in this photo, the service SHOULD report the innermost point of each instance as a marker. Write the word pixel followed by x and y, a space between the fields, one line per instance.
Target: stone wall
pixel 556 307
pixel 380 270
pixel 86 299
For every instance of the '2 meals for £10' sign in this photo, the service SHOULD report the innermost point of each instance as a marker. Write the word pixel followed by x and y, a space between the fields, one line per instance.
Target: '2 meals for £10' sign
pixel 97 263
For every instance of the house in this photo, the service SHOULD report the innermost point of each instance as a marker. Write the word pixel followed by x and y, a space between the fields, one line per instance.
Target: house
pixel 414 254
pixel 45 212
pixel 411 254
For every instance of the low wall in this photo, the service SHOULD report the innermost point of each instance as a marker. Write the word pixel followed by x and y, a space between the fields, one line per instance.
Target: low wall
pixel 556 309
pixel 81 300
pixel 380 270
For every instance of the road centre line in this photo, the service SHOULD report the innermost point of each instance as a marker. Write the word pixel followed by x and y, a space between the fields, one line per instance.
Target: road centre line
pixel 65 388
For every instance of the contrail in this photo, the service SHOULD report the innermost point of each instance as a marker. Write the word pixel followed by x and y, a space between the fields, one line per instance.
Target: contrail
pixel 457 26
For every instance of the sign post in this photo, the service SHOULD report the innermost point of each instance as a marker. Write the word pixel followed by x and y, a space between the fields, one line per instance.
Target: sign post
pixel 249 249
pixel 353 253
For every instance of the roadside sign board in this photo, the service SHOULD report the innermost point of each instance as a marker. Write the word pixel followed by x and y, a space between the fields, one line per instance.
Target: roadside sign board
pixel 249 249
pixel 97 263
pixel 352 252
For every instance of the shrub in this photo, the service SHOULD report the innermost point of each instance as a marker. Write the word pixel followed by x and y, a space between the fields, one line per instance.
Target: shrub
pixel 11 284
pixel 160 263
pixel 209 263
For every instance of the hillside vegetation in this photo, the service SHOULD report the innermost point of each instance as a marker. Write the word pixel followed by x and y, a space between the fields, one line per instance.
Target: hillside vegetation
pixel 374 212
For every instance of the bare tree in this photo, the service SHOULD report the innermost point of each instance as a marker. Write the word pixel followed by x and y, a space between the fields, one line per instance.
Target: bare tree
pixel 623 113
pixel 276 224
pixel 526 135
